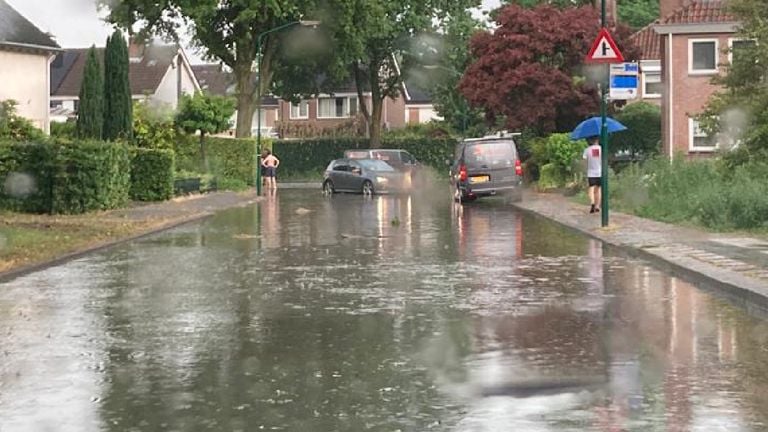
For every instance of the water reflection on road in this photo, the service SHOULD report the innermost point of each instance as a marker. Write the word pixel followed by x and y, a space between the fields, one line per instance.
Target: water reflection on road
pixel 393 313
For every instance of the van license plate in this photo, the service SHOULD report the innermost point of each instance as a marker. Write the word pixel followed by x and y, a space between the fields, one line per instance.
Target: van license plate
pixel 479 179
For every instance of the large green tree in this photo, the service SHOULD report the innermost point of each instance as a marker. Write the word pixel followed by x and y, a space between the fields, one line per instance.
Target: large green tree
pixel 206 115
pixel 90 115
pixel 118 105
pixel 226 31
pixel 739 112
pixel 375 42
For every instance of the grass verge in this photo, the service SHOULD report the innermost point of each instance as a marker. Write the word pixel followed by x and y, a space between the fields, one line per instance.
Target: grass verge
pixel 30 239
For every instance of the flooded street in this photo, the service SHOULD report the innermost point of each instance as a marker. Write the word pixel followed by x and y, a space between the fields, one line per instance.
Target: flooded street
pixel 308 313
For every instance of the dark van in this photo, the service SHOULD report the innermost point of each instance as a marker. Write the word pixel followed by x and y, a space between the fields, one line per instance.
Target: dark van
pixel 487 166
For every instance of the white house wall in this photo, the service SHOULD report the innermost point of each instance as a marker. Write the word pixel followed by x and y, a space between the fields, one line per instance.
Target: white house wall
pixel 167 91
pixel 25 79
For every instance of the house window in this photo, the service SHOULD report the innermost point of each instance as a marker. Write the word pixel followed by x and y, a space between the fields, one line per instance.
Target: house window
pixel 56 104
pixel 337 107
pixel 300 111
pixel 652 85
pixel 699 139
pixel 702 56
pixel 739 47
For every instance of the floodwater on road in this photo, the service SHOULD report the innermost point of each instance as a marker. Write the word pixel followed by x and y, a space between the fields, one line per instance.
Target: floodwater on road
pixel 308 313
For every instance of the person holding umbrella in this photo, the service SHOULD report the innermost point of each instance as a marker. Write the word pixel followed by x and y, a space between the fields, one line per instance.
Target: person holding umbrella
pixel 590 129
pixel 594 173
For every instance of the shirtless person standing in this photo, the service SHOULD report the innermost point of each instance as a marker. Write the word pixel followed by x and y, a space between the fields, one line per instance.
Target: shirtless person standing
pixel 270 164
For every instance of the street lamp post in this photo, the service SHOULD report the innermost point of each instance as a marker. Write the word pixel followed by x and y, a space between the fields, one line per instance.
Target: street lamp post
pixel 259 42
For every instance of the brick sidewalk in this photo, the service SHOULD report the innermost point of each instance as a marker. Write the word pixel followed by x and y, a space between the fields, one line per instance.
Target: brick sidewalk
pixel 733 262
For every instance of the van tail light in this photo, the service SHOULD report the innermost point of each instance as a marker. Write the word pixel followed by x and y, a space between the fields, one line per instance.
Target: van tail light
pixel 463 172
pixel 518 168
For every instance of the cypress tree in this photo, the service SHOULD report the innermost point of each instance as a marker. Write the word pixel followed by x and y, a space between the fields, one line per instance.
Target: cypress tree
pixel 90 115
pixel 118 108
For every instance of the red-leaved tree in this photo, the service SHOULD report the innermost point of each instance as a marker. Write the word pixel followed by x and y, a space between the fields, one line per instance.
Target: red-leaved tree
pixel 528 72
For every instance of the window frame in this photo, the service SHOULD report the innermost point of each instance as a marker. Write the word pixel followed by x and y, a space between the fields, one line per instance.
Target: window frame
pixel 692 147
pixel 691 70
pixel 346 107
pixel 298 106
pixel 655 68
pixel 730 46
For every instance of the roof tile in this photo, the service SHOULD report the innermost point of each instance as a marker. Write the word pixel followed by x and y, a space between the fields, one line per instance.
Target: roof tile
pixel 699 12
pixel 648 41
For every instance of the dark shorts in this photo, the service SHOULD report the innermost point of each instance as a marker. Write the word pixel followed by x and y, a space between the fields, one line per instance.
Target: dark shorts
pixel 594 181
pixel 269 171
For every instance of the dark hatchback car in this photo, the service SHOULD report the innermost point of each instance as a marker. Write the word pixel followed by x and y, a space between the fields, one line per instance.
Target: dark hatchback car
pixel 399 159
pixel 485 167
pixel 366 176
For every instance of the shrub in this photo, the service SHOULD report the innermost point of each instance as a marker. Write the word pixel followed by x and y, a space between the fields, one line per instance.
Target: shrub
pixel 227 157
pixel 153 127
pixel 55 178
pixel 642 139
pixel 698 192
pixel 152 173
pixel 16 127
pixel 66 130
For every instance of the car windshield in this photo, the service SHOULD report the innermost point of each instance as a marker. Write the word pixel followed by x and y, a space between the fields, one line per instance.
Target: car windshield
pixel 375 165
pixel 490 153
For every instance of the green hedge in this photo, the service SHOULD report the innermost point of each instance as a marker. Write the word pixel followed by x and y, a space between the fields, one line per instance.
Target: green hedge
pixel 152 174
pixel 228 158
pixel 57 178
pixel 232 159
pixel 312 156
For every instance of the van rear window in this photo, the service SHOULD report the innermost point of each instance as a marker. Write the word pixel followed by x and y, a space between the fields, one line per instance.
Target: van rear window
pixel 491 153
pixel 358 155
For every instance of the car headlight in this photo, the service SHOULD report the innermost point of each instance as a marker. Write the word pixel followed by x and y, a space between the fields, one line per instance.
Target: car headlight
pixel 382 180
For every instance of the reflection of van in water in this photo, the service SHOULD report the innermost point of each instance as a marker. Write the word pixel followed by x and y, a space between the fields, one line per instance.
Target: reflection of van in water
pixel 486 166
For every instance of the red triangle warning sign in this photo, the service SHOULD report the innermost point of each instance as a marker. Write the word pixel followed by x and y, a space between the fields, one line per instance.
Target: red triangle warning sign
pixel 604 49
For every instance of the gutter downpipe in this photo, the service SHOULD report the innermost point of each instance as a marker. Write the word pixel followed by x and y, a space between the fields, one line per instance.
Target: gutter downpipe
pixel 670 105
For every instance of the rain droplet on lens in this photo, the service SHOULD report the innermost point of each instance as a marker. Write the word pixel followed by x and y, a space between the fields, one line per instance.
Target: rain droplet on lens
pixel 19 185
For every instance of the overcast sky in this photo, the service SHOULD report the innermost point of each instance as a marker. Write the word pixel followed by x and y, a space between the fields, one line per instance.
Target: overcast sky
pixel 76 23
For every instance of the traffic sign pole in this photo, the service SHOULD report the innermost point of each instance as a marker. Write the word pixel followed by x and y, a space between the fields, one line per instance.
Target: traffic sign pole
pixel 604 136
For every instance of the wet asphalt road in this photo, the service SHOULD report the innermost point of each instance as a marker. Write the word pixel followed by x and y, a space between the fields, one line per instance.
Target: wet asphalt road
pixel 388 314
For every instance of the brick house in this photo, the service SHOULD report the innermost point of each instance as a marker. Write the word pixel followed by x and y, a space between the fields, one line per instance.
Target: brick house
pixel 25 57
pixel 214 79
pixel 158 74
pixel 695 39
pixel 340 110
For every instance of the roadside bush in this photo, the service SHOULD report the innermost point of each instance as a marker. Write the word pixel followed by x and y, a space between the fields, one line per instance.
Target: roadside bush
pixel 25 176
pixel 228 158
pixel 153 127
pixel 152 174
pixel 66 130
pixel 72 178
pixel 16 127
pixel 642 139
pixel 698 192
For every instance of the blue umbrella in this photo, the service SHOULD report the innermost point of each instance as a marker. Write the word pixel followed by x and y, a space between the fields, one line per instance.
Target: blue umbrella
pixel 591 128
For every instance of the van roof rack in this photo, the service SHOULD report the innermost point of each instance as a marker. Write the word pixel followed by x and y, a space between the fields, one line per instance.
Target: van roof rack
pixel 497 135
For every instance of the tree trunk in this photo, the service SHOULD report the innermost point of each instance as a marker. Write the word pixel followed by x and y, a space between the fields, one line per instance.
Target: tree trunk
pixel 363 106
pixel 245 98
pixel 375 123
pixel 377 106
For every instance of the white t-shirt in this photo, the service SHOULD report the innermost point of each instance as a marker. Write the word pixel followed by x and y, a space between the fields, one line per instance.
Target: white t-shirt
pixel 594 162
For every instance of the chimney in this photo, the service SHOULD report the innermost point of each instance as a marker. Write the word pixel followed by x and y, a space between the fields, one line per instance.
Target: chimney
pixel 666 7
pixel 136 50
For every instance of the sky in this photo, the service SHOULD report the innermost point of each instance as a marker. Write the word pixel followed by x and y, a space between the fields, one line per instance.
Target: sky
pixel 76 23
